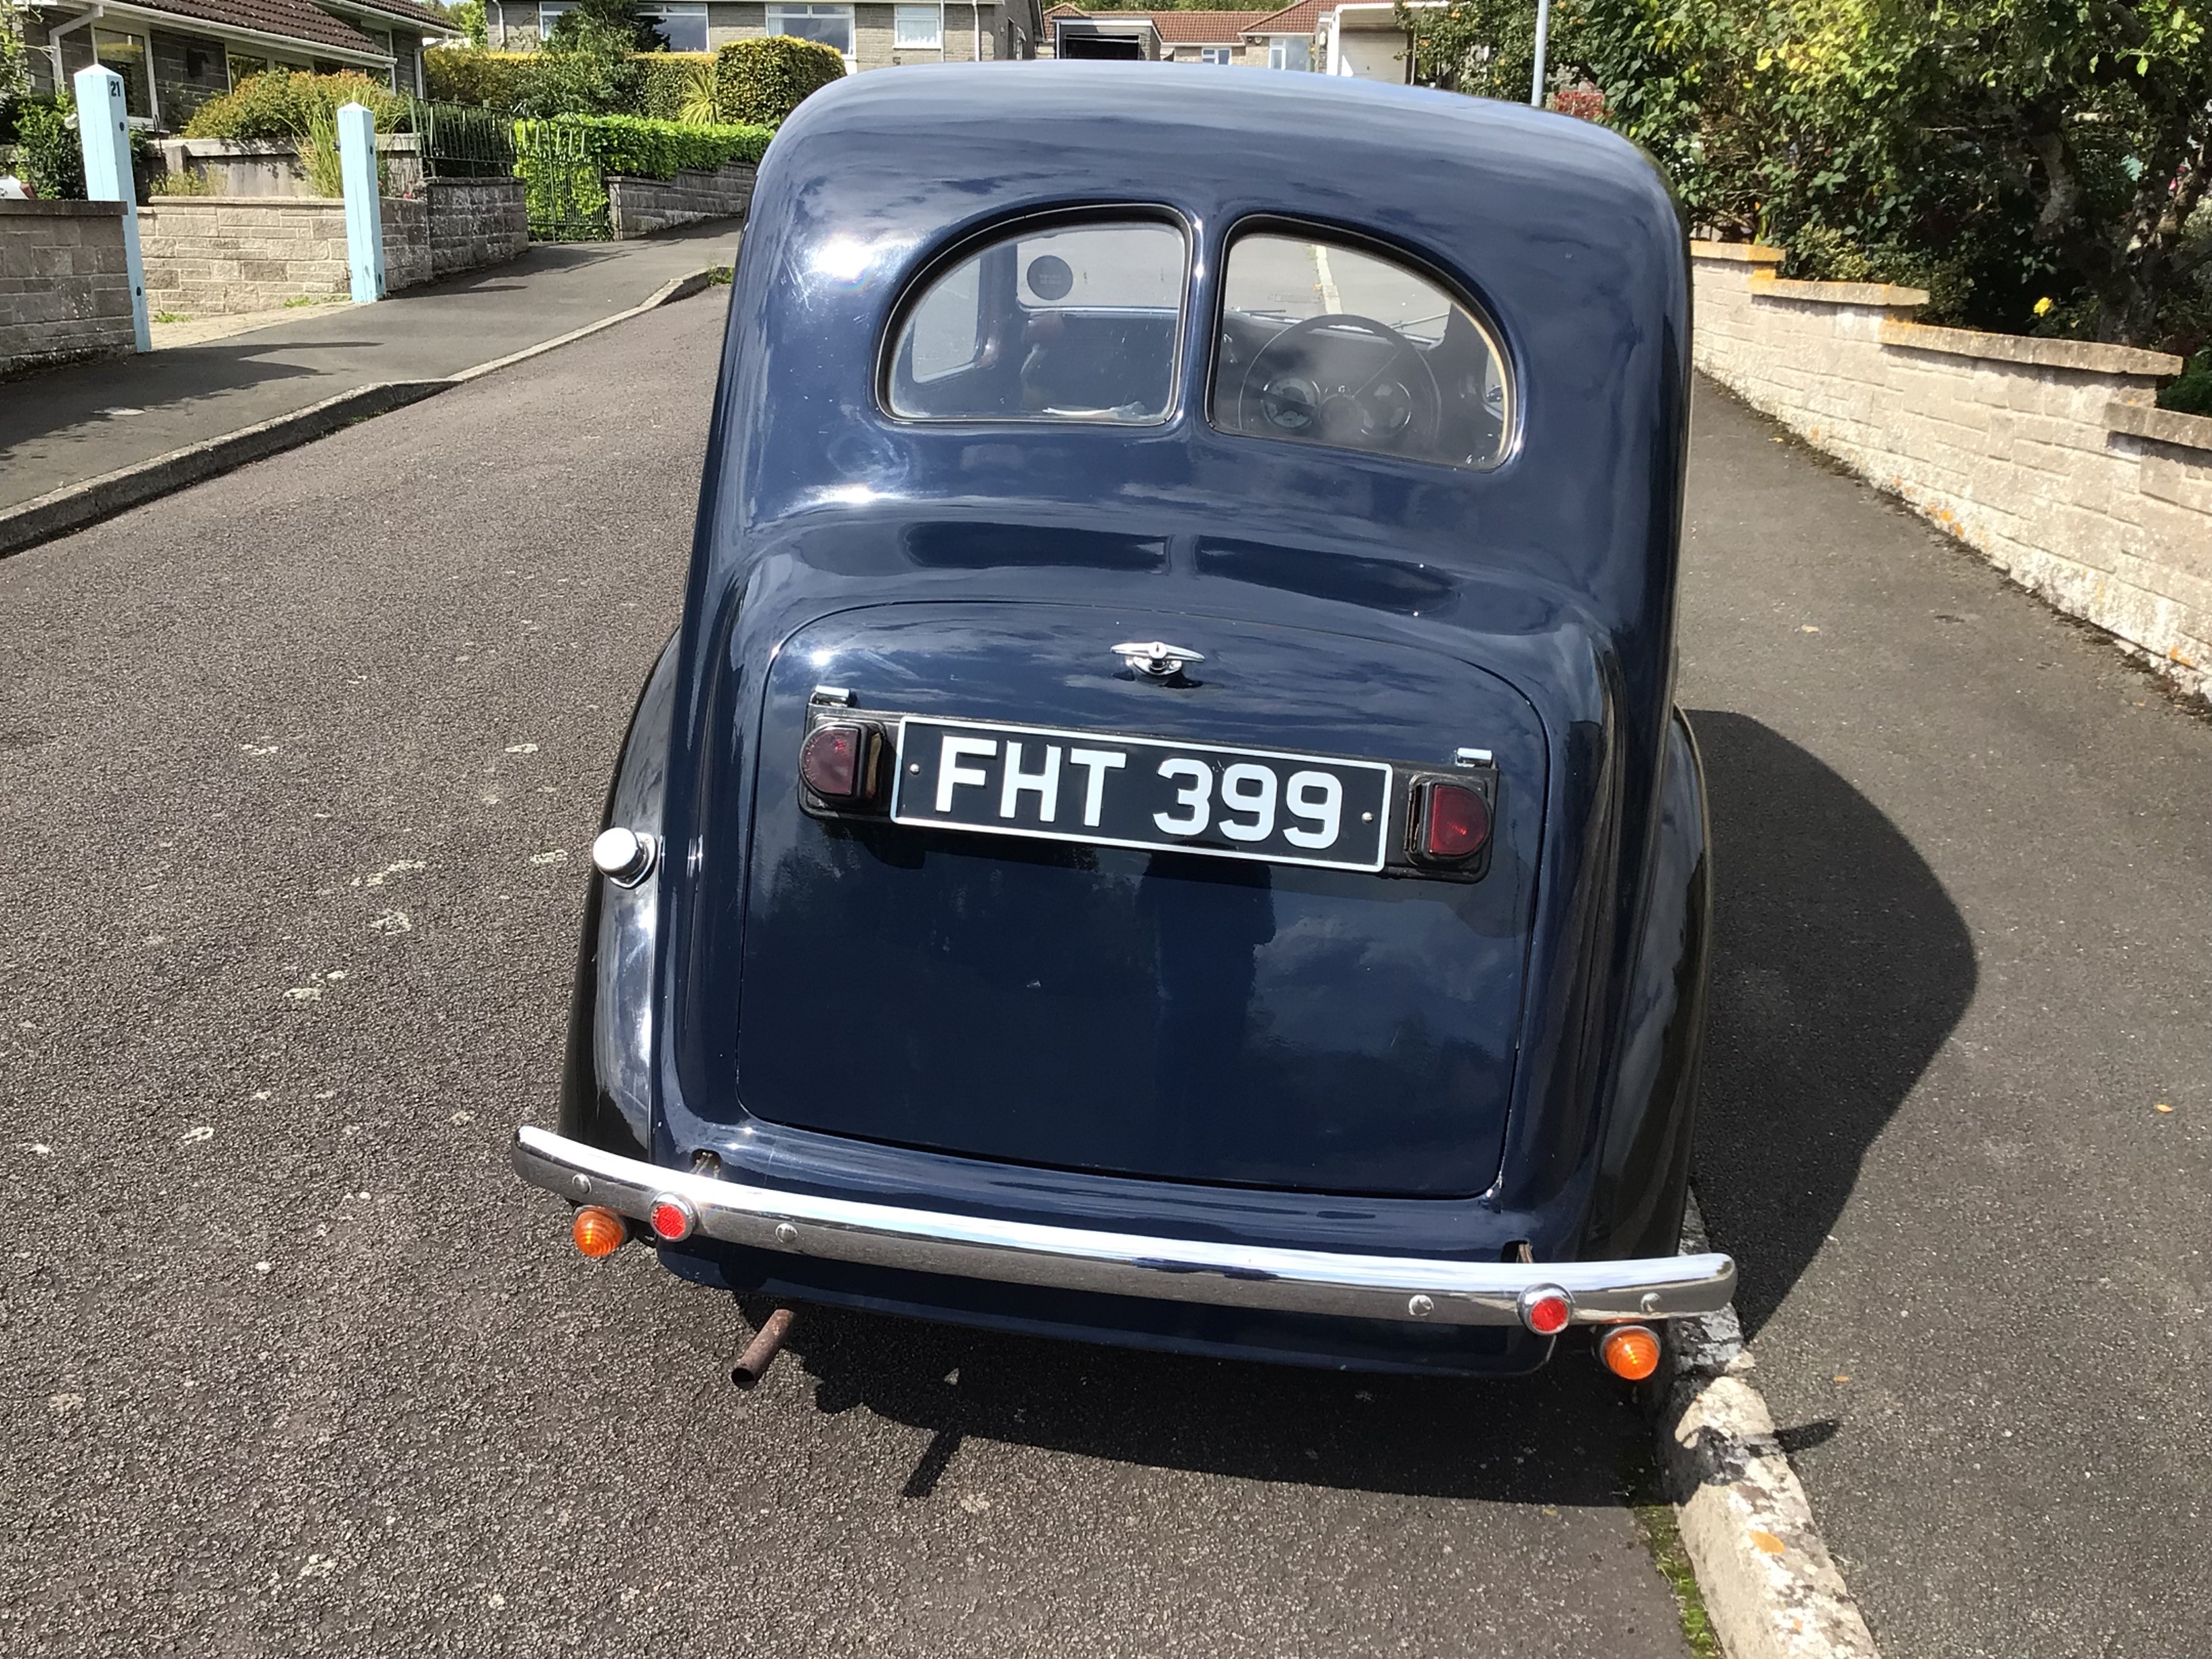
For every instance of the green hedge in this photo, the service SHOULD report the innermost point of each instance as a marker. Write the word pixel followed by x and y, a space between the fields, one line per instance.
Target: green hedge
pixel 763 80
pixel 470 75
pixel 629 145
pixel 283 104
pixel 679 86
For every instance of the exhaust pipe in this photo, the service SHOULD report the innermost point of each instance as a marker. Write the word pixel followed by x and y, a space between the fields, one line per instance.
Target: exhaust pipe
pixel 760 1353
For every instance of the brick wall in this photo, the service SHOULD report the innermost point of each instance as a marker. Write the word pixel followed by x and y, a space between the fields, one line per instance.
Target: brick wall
pixel 215 255
pixel 2048 457
pixel 64 289
pixel 475 222
pixel 639 207
pixel 407 262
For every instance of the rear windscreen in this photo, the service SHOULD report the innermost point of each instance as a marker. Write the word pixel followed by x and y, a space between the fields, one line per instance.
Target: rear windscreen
pixel 1326 344
pixel 1076 323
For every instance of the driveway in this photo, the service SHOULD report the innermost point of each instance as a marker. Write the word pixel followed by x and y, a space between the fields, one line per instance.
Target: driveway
pixel 298 769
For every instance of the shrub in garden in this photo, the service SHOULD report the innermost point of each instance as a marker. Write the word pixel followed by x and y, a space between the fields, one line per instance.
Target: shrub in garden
pixel 629 145
pixel 285 104
pixel 47 152
pixel 678 85
pixel 496 80
pixel 759 81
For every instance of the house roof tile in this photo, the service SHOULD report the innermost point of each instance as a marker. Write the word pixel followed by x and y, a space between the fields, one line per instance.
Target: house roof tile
pixel 296 19
pixel 429 16
pixel 1302 18
pixel 1204 28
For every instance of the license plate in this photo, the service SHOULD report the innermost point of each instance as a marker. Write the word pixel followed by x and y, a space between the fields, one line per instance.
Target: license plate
pixel 1109 791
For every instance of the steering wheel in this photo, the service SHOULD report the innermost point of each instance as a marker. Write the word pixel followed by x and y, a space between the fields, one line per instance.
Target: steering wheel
pixel 1394 407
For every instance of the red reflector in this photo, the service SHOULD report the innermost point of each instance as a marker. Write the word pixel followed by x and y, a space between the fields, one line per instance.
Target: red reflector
pixel 672 1219
pixel 1455 821
pixel 1545 1309
pixel 830 761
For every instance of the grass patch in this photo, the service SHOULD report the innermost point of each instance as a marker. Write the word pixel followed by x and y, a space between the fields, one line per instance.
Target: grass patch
pixel 1654 1518
pixel 719 276
pixel 298 299
pixel 171 317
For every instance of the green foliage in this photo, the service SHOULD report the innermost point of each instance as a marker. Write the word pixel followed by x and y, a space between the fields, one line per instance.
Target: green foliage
pixel 631 146
pixel 319 154
pixel 678 85
pixel 15 56
pixel 1994 152
pixel 760 82
pixel 608 28
pixel 282 103
pixel 2192 394
pixel 466 75
pixel 46 149
pixel 468 17
pixel 192 181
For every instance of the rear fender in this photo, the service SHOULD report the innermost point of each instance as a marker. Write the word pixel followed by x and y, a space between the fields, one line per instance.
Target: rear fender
pixel 606 1085
pixel 1643 1172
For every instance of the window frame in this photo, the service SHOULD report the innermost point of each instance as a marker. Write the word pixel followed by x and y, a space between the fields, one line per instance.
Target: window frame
pixel 1221 56
pixel 949 257
pixel 1374 247
pixel 817 8
pixel 935 11
pixel 658 14
pixel 559 8
pixel 152 116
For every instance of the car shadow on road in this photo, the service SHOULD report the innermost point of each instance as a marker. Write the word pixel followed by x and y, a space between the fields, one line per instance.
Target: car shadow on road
pixel 1840 969
pixel 1567 1436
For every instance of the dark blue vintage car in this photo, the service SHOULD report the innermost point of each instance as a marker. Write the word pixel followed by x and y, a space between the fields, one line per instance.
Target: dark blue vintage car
pixel 1165 822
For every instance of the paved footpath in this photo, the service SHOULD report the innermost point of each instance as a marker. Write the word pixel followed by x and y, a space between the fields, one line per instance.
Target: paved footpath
pixel 1964 875
pixel 68 425
pixel 298 769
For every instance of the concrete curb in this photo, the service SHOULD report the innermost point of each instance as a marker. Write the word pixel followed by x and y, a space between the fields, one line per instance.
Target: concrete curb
pixel 75 506
pixel 1770 1585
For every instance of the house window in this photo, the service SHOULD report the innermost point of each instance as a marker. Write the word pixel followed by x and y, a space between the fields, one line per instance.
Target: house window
pixel 831 25
pixel 550 12
pixel 684 28
pixel 126 55
pixel 1216 54
pixel 1289 55
pixel 920 28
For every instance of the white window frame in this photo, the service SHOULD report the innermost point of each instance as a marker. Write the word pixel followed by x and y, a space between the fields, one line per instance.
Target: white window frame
pixel 1223 56
pixel 660 13
pixel 1278 54
pixel 902 15
pixel 100 26
pixel 558 8
pixel 816 11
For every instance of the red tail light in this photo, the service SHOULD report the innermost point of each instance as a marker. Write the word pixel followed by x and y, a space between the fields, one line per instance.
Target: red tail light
pixel 1546 1309
pixel 834 760
pixel 672 1219
pixel 1455 822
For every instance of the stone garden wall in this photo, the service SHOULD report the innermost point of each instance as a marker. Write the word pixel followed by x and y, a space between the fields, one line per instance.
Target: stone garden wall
pixel 639 207
pixel 215 255
pixel 2048 457
pixel 64 288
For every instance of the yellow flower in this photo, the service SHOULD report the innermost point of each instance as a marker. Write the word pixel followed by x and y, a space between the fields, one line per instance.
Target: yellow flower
pixel 2043 305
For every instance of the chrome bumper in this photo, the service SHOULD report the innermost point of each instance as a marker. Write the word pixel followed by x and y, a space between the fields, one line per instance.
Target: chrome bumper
pixel 1125 1264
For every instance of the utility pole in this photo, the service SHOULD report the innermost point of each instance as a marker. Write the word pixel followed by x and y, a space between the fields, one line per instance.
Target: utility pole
pixel 1543 34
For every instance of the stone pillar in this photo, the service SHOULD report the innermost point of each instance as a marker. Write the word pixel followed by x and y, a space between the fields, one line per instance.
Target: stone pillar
pixel 364 209
pixel 104 134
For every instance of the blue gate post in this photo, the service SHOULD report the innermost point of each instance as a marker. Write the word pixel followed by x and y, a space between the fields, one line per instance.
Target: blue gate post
pixel 364 211
pixel 103 133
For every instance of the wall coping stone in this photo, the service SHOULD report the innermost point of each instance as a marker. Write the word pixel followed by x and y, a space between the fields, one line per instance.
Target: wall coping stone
pixel 2087 356
pixel 274 204
pixel 1840 293
pixel 47 208
pixel 1749 253
pixel 2166 426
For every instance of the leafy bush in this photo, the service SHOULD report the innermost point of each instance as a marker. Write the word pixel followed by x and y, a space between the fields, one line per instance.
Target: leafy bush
pixel 192 181
pixel 759 81
pixel 467 75
pixel 629 145
pixel 46 149
pixel 284 104
pixel 678 85
pixel 2192 394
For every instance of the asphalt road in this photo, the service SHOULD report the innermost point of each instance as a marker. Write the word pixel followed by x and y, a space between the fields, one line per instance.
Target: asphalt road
pixel 298 769
pixel 1963 886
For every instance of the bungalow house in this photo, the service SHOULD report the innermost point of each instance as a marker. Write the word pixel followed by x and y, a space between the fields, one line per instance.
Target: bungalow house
pixel 174 55
pixel 868 36
pixel 1276 39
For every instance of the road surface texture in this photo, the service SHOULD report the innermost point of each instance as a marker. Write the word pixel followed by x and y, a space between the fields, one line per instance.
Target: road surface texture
pixel 68 425
pixel 298 769
pixel 1964 877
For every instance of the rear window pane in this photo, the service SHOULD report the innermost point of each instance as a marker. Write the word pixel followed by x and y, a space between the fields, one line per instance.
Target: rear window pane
pixel 1076 323
pixel 1325 344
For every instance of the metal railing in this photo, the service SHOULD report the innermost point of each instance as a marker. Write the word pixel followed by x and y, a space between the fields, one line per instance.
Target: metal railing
pixel 459 141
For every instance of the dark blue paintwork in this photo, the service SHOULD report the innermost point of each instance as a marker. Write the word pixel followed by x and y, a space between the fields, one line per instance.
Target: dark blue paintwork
pixel 1515 1060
